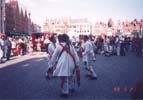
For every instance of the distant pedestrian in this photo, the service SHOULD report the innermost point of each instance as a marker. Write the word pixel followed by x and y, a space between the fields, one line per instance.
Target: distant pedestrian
pixel 1 54
pixel 122 50
pixel 2 42
pixel 138 46
pixel 46 43
pixel 39 46
pixel 118 45
pixel 8 48
pixel 13 46
pixel 23 46
pixel 30 47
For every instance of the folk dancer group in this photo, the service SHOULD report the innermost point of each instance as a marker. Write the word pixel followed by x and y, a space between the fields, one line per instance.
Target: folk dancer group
pixel 64 62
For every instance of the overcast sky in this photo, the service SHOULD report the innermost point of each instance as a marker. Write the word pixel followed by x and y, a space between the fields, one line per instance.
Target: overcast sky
pixel 95 10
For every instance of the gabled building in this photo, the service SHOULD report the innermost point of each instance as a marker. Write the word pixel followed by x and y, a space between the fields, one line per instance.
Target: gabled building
pixel 16 18
pixel 68 25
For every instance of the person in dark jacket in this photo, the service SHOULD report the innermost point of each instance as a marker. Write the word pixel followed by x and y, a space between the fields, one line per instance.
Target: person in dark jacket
pixel 138 46
pixel 8 48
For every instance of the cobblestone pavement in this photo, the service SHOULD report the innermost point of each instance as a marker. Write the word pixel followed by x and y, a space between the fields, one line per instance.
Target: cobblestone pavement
pixel 23 77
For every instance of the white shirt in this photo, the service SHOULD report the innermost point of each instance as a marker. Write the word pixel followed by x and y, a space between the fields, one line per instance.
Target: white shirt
pixel 13 44
pixel 1 53
pixel 88 50
pixel 20 41
pixel 46 41
pixel 2 42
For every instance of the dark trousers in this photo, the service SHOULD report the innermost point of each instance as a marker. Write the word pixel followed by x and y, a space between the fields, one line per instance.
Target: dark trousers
pixel 8 53
pixel 139 51
pixel 122 52
pixel 46 47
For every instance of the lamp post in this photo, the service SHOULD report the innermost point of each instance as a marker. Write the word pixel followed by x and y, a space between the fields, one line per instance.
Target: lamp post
pixel 134 29
pixel 2 16
pixel 141 30
pixel 29 24
pixel 65 27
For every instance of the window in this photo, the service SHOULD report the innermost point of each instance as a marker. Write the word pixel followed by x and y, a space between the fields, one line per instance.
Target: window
pixel 74 26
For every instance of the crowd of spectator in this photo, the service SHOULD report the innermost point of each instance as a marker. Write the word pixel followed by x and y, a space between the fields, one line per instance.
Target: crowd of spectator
pixel 115 45
pixel 105 45
pixel 11 46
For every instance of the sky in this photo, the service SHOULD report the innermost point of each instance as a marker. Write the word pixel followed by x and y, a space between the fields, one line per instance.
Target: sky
pixel 94 10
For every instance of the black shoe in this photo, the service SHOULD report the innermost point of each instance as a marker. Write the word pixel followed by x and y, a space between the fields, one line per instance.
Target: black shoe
pixel 64 95
pixel 86 68
pixel 87 75
pixel 94 59
pixel 93 78
pixel 72 91
pixel 1 61
pixel 47 76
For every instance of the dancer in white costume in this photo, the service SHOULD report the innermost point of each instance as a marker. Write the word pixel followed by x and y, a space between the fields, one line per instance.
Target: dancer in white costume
pixel 66 65
pixel 87 55
pixel 1 54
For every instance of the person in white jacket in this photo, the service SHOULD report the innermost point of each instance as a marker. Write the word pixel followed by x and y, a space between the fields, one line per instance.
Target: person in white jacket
pixel 1 54
pixel 52 45
pixel 92 43
pixel 87 58
pixel 50 49
pixel 65 66
pixel 118 45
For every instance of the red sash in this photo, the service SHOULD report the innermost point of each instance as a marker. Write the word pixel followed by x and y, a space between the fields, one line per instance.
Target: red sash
pixel 68 51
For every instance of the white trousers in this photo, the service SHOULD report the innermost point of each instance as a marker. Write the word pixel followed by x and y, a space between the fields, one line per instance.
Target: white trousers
pixel 90 70
pixel 118 50
pixel 69 84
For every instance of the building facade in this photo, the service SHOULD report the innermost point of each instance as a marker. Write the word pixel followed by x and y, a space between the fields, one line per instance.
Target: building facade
pixel 78 27
pixel 113 27
pixel 35 28
pixel 68 25
pixel 16 18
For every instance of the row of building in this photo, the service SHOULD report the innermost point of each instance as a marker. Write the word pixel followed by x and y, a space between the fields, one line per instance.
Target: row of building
pixel 122 27
pixel 15 19
pixel 84 26
pixel 68 25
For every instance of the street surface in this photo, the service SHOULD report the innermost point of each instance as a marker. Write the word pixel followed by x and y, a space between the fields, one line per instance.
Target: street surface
pixel 23 77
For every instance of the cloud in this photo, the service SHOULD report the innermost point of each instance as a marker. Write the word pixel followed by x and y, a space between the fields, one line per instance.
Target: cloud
pixel 93 9
pixel 56 1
